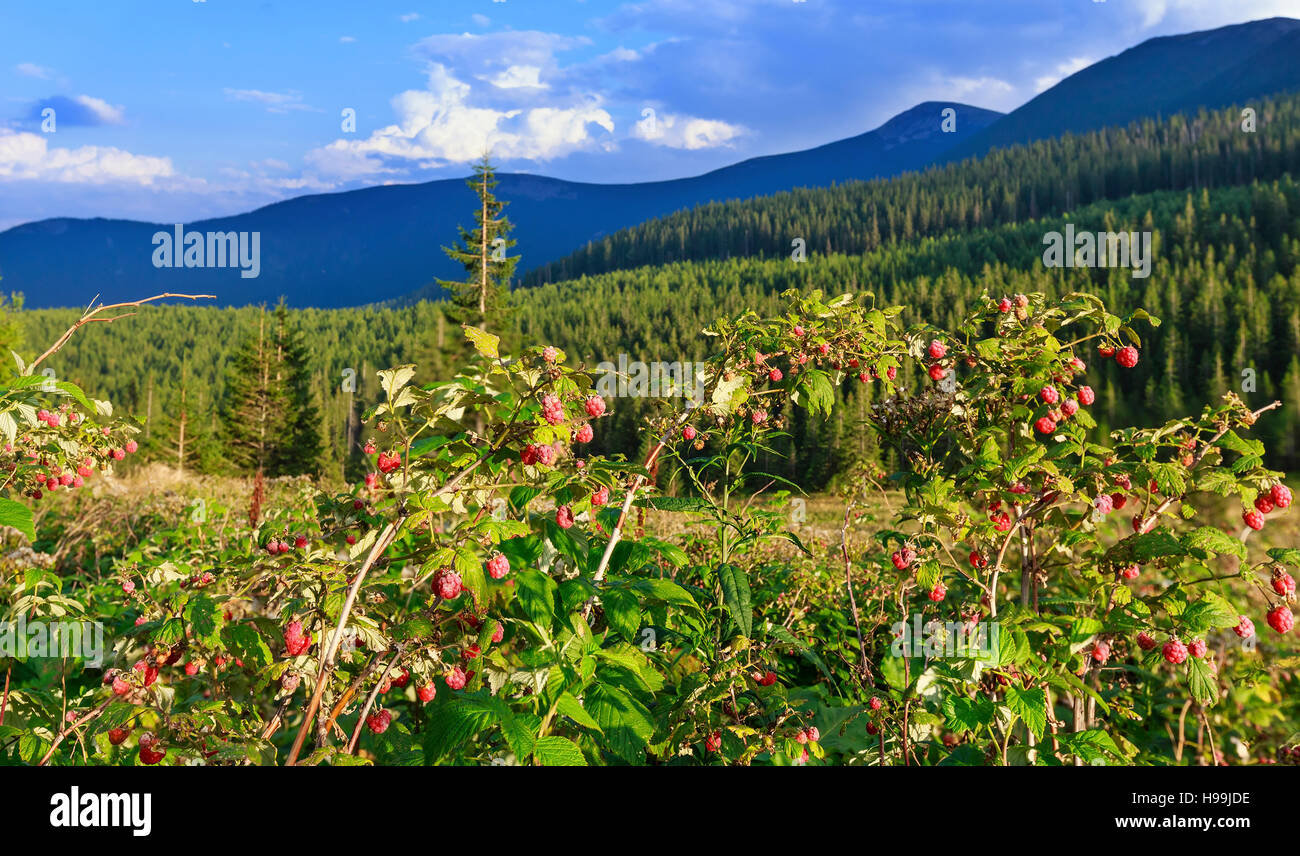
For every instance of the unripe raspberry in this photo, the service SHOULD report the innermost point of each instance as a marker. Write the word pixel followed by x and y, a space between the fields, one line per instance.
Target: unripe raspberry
pixel 1146 641
pixel 902 558
pixel 1264 503
pixel 1101 652
pixel 1197 648
pixel 1127 356
pixel 1175 652
pixel 1254 520
pixel 775 375
pixel 688 433
pixel 447 584
pixel 128 586
pixel 1049 395
pixel 1022 301
pixel 801 737
pixel 938 372
pixel 584 434
pixel 1086 396
pixel 379 721
pixel 595 406
pixel 1103 504
pixel 1281 619
pixel 426 692
pixel 290 681
pixel 552 409
pixel 1044 425
pixel 938 592
pixel 1281 495
pixel 498 566
pixel 564 517
pixel 455 679
pixel 1245 627
pixel 550 354
pixel 937 350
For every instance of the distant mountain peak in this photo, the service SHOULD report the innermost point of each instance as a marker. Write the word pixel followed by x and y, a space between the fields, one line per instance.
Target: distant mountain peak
pixel 926 119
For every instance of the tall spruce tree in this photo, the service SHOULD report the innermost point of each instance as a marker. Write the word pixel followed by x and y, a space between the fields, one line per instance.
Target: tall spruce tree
pixel 302 451
pixel 480 299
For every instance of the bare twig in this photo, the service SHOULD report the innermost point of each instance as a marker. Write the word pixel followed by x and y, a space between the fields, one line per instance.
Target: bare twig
pixel 92 310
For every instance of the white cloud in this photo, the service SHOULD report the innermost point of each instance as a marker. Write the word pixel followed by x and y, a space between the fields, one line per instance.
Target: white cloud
pixel 684 132
pixel 409 17
pixel 1203 14
pixel 29 156
pixel 347 40
pixel 518 77
pixel 31 69
pixel 275 102
pixel 480 20
pixel 1062 71
pixel 106 113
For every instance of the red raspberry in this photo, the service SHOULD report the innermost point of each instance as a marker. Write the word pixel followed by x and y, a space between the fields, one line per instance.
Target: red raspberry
pixel 192 668
pixel 402 679
pixel 1069 407
pixel 564 517
pixel 1131 572
pixel 713 742
pixel 875 703
pixel 128 586
pixel 758 417
pixel 379 721
pixel 1281 619
pixel 1254 520
pixel 938 372
pixel 600 497
pixel 1001 521
pixel 769 678
pixel 1101 652
pixel 902 558
pixel 824 348
pixel 775 375
pixel 131 447
pixel 120 687
pixel 1245 627
pixel 1175 652
pixel 498 566
pixel 938 592
pixel 595 406
pixel 798 330
pixel 1127 356
pixel 937 350
pixel 1004 305
pixel 1281 495
pixel 873 729
pixel 976 560
pixel 550 354
pixel 447 584
pixel 1264 503
pixel 812 733
pixel 372 481
pixel 149 751
pixel 498 632
pixel 1107 351
pixel 426 692
pixel 351 539
pixel 891 372
pixel 552 409
pixel 455 679
pixel 1146 641
pixel 584 435
pixel 688 433
pixel 117 735
pixel 369 448
pixel 1118 500
pixel 1044 425
pixel 1197 648
pixel 150 672
pixel 1283 583
pixel 387 463
pixel 1049 395
pixel 1086 396
pixel 1077 364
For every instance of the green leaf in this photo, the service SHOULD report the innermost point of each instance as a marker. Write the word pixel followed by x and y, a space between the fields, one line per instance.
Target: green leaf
pixel 965 714
pixel 1201 681
pixel 572 708
pixel 485 343
pixel 622 611
pixel 815 392
pixel 735 591
pixel 536 592
pixel 454 723
pixel 17 516
pixel 555 751
pixel 1029 705
pixel 205 617
pixel 1214 540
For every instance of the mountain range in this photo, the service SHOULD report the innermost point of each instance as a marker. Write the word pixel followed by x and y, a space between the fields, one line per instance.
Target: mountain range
pixel 384 243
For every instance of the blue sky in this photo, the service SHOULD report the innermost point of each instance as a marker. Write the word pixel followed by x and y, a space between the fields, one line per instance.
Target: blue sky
pixel 174 110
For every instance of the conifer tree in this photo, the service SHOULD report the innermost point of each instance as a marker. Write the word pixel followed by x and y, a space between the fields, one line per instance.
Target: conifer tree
pixel 480 299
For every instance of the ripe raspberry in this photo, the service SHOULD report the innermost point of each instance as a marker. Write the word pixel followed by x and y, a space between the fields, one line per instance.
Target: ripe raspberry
pixel 769 678
pixel 824 348
pixel 798 330
pixel 875 703
pixel 1245 627
pixel 902 558
pixel 149 752
pixel 351 539
pixel 131 447
pixel 938 372
pixel 775 375
pixel 1045 425
pixel 891 372
pixel 584 435
pixel 1001 521
pixel 600 497
pixel 552 409
pixel 295 641
pixel 758 417
pixel 1107 351
pixel 369 448
pixel 455 679
pixel 938 592
pixel 1086 396
pixel 1197 648
pixel 379 721
pixel 1077 364
pixel 402 679
pixel 426 692
pixel 120 686
pixel 812 733
pixel 1104 504
pixel 1127 356
pixel 1283 583
pixel 1146 641
pixel 873 729
pixel 564 517
pixel 372 481
pixel 595 406
pixel 498 632
pixel 1004 305
pixel 1118 500
pixel 1264 503
pixel 1131 572
pixel 447 584
pixel 192 668
pixel 801 737
pixel 1254 520
pixel 1281 495
pixel 713 742
pixel 1069 407
pixel 387 463
pixel 498 566
pixel 1281 619
pixel 300 542
pixel 1101 652
pixel 1175 652
pixel 117 735
pixel 937 350
pixel 688 433
pixel 550 354
pixel 128 586
pixel 1049 395
pixel 118 454
pixel 976 560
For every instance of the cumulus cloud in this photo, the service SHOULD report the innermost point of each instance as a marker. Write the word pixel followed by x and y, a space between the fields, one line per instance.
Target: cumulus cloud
pixel 29 156
pixel 31 69
pixel 78 111
pixel 1204 14
pixel 1061 71
pixel 409 17
pixel 684 132
pixel 275 102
